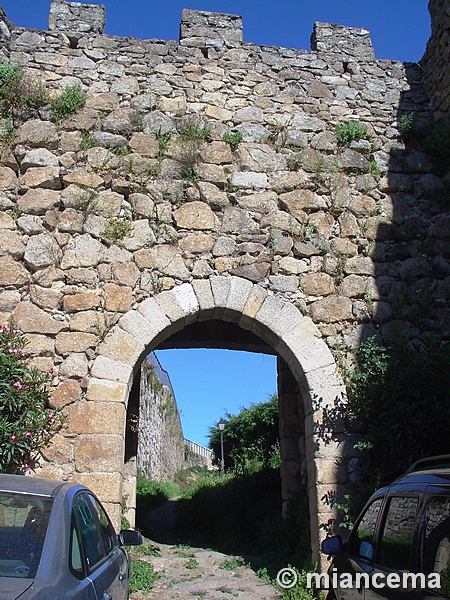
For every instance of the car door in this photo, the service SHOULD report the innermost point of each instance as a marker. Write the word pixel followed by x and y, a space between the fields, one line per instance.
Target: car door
pixel 101 568
pixel 354 565
pixel 435 552
pixel 116 554
pixel 394 552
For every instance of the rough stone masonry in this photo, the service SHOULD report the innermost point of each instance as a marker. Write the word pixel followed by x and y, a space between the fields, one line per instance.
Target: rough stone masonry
pixel 204 180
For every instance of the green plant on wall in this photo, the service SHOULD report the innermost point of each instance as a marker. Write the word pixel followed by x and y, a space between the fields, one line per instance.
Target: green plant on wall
pixel 233 138
pixel 116 229
pixel 349 131
pixel 65 104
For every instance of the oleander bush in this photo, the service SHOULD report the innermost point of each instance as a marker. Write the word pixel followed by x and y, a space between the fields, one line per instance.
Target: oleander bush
pixel 26 422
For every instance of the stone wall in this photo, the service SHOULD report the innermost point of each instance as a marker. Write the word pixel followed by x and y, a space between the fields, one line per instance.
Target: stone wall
pixel 205 180
pixel 435 60
pixel 160 437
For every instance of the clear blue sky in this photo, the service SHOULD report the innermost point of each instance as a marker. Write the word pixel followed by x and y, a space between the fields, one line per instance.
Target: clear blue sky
pixel 210 383
pixel 399 28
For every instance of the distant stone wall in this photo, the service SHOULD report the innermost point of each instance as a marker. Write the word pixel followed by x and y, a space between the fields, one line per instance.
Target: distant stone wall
pixel 435 62
pixel 160 436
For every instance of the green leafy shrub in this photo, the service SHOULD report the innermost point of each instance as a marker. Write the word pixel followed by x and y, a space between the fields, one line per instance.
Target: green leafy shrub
pixel 71 99
pixel 250 438
pixel 7 130
pixel 406 125
pixel 18 91
pixel 398 403
pixel 26 422
pixel 163 141
pixel 233 138
pixel 348 131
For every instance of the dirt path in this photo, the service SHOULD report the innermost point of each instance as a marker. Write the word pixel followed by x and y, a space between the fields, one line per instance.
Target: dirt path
pixel 187 572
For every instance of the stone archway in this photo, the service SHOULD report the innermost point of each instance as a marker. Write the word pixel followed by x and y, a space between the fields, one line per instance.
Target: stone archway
pixel 280 324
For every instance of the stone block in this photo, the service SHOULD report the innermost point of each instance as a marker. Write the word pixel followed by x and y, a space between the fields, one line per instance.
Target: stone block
pixel 122 347
pixel 97 418
pixel 75 365
pixel 106 486
pixel 139 327
pixel 168 303
pixel 67 392
pixel 237 298
pixel 103 390
pixel 254 302
pixel 74 341
pixel 155 315
pixel 114 370
pixel 187 300
pixel 99 453
pixel 81 302
pixel 205 298
pixel 31 319
pixel 118 298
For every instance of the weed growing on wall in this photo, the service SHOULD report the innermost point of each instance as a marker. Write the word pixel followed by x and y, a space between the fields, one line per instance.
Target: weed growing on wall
pixel 349 131
pixel 71 99
pixel 26 422
pixel 234 139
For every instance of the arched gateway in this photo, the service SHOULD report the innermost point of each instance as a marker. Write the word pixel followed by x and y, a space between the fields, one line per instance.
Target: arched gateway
pixel 100 419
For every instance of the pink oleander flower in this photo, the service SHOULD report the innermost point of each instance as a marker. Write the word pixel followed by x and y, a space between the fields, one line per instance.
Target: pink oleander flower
pixel 26 434
pixel 26 469
pixel 50 415
pixel 14 438
pixel 17 385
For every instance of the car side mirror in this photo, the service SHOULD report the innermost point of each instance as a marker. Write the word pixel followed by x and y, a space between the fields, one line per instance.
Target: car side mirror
pixel 332 545
pixel 129 537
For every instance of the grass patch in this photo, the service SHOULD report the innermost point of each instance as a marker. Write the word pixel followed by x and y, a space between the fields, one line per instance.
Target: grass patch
pixel 232 563
pixel 142 577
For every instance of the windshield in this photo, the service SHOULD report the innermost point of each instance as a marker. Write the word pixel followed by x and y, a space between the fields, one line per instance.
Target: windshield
pixel 23 525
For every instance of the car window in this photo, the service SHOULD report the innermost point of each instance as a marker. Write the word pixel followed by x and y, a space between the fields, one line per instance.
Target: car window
pixel 437 540
pixel 107 530
pixel 398 533
pixel 91 537
pixel 23 527
pixel 76 553
pixel 365 530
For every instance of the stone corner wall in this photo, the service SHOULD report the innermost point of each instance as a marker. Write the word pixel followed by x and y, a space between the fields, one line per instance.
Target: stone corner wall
pixel 161 442
pixel 75 16
pixel 435 60
pixel 350 42
pixel 203 29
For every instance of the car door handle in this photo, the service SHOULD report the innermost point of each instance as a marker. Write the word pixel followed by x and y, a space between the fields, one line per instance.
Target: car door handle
pixel 122 576
pixel 106 596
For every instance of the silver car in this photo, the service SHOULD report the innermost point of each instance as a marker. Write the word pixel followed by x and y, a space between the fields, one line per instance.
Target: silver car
pixel 57 542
